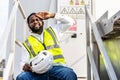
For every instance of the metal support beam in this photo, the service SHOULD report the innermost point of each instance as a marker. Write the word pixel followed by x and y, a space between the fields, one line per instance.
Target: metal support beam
pixel 105 25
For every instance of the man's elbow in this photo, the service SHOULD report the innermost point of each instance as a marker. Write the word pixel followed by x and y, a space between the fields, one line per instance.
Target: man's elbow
pixel 72 22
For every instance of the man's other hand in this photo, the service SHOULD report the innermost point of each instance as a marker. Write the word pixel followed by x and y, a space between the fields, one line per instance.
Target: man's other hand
pixel 27 67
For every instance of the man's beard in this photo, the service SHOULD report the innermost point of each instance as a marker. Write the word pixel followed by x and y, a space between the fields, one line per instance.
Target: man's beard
pixel 39 30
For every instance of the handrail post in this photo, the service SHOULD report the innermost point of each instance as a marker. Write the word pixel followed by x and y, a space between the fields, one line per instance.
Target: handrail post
pixel 10 64
pixel 95 72
pixel 21 10
pixel 87 44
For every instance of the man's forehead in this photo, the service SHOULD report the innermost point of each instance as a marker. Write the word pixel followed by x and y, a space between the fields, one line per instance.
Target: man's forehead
pixel 33 16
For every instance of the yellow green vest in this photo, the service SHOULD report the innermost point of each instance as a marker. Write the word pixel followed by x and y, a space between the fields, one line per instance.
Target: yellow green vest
pixel 50 43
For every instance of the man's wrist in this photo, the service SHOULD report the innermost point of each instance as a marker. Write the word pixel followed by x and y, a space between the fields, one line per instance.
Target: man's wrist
pixel 52 15
pixel 57 16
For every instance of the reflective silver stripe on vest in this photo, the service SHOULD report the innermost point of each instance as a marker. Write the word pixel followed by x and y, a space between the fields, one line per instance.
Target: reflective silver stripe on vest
pixel 58 56
pixel 30 47
pixel 51 33
pixel 51 47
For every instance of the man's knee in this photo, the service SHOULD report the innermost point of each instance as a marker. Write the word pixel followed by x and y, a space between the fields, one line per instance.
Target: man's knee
pixel 19 77
pixel 69 73
pixel 22 75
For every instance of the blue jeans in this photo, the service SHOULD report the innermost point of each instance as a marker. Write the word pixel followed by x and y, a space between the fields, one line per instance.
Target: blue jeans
pixel 56 73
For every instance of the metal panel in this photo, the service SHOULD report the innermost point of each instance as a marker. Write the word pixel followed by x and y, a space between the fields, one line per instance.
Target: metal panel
pixel 113 48
pixel 105 25
pixel 101 23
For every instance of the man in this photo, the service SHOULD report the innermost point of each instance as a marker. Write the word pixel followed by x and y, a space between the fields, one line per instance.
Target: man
pixel 46 39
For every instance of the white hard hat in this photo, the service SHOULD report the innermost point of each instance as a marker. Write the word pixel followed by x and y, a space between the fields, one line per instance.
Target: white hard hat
pixel 42 62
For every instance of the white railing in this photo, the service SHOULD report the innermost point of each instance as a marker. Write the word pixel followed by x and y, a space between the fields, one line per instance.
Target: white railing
pixel 92 62
pixel 11 22
pixel 90 20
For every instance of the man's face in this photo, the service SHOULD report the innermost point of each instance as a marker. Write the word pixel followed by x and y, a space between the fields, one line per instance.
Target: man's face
pixel 35 24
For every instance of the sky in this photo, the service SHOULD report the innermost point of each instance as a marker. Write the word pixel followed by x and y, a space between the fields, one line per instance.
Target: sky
pixel 102 6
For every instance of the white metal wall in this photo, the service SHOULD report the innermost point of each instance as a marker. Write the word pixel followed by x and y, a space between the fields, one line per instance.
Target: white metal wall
pixel 74 51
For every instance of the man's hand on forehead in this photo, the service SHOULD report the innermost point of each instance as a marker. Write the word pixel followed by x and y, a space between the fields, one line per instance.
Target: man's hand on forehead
pixel 45 15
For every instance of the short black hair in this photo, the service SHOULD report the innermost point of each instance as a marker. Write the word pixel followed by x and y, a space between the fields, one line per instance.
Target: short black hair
pixel 29 17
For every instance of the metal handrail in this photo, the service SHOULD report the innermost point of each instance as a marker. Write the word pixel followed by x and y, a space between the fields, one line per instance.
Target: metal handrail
pixel 8 68
pixel 106 59
pixel 95 72
pixel 11 20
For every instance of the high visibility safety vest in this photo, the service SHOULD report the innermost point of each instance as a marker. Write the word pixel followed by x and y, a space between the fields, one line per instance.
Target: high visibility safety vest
pixel 50 43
